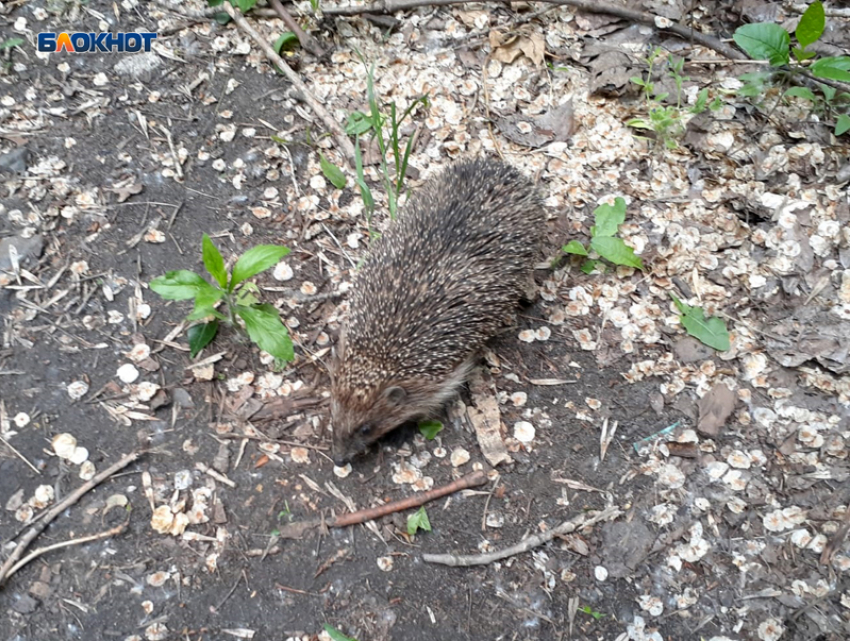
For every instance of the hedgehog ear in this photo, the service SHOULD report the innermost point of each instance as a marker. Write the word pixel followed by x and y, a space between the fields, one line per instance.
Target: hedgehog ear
pixel 395 395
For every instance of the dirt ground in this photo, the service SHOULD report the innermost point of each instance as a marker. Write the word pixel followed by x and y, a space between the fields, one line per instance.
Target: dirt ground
pixel 690 557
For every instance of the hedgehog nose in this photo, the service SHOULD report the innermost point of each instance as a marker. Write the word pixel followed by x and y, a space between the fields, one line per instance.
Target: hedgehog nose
pixel 340 461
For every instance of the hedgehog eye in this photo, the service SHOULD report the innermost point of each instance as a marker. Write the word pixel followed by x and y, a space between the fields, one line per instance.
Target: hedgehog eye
pixel 395 395
pixel 365 429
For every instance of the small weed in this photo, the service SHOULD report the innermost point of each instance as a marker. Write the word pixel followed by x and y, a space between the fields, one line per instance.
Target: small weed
pixel 711 331
pixel 285 513
pixel 591 612
pixel 285 42
pixel 771 42
pixel 11 42
pixel 430 429
pixel 374 123
pixel 261 320
pixel 603 240
pixel 336 635
pixel 418 521
pixel 668 121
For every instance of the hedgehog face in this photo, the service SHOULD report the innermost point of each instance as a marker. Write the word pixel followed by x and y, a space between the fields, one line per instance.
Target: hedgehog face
pixel 362 414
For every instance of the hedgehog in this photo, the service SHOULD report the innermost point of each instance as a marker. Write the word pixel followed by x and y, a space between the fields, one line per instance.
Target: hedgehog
pixel 443 279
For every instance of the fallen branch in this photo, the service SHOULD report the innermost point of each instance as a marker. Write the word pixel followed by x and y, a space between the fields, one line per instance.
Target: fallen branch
pixel 361 516
pixel 296 530
pixel 11 563
pixel 830 12
pixel 118 529
pixel 304 93
pixel 581 521
pixel 590 6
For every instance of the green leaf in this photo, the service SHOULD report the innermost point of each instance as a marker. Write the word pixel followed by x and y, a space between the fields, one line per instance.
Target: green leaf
pixel 638 123
pixel 365 192
pixel 750 90
pixel 638 81
pixel 267 331
pixel 336 635
pixel 574 247
pixel 609 218
pixel 588 266
pixel 358 124
pixel 842 125
pixel 245 5
pixel 213 261
pixel 811 25
pixel 285 41
pixel 701 102
pixel 711 331
pixel 418 521
pixel 801 92
pixel 200 336
pixel 835 68
pixel 801 54
pixel 204 304
pixel 764 41
pixel 11 42
pixel 616 251
pixel 180 285
pixel 430 429
pixel 331 172
pixel 256 260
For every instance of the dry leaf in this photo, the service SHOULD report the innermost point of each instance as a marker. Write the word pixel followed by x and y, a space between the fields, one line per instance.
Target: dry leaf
pixel 714 408
pixel 506 51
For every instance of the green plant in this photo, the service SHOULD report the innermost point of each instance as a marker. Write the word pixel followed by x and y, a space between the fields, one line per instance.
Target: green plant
pixel 771 42
pixel 336 635
pixel 261 320
pixel 285 513
pixel 430 429
pixel 667 121
pixel 711 331
pixel 285 41
pixel 11 42
pixel 418 521
pixel 603 241
pixel 374 123
pixel 590 611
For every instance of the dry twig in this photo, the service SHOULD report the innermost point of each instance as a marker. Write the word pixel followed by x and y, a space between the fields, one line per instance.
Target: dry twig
pixel 303 92
pixel 296 530
pixel 118 529
pixel 584 520
pixel 11 564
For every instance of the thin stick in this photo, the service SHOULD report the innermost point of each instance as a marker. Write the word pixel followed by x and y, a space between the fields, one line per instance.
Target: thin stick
pixel 837 539
pixel 361 516
pixel 19 455
pixel 304 93
pixel 60 507
pixel 118 529
pixel 590 6
pixel 581 521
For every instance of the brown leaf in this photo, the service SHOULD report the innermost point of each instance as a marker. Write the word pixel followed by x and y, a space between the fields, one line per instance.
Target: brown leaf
pixel 124 192
pixel 556 125
pixel 714 408
pixel 507 50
